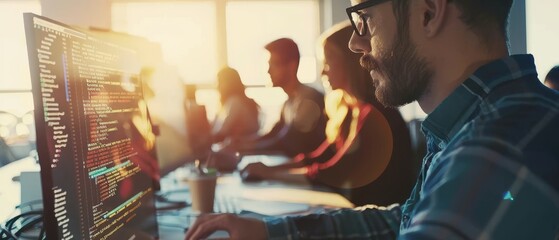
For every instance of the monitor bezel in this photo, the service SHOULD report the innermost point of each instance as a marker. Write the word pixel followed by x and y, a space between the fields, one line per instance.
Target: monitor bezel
pixel 49 220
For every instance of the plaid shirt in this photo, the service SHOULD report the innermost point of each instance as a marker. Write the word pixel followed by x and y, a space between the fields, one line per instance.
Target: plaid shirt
pixel 491 171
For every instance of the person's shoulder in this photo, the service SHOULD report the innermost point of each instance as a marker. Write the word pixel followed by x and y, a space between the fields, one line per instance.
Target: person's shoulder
pixel 522 107
pixel 239 102
pixel 306 89
pixel 513 132
pixel 523 93
pixel 522 121
pixel 308 92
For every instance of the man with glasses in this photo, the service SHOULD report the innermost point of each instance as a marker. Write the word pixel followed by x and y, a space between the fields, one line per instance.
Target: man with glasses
pixel 493 160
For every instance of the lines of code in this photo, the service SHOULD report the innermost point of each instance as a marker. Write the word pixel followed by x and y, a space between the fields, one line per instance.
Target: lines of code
pixel 95 123
pixel 52 111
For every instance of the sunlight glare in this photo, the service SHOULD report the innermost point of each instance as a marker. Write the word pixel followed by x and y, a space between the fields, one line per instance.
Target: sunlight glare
pixel 185 31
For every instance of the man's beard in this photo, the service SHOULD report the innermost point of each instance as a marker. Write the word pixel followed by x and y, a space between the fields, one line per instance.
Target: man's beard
pixel 405 75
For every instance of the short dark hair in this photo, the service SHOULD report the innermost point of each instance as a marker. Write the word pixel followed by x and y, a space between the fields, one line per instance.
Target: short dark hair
pixel 553 76
pixel 482 16
pixel 285 48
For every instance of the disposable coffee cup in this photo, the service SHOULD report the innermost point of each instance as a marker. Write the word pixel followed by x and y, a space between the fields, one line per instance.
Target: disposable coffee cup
pixel 202 192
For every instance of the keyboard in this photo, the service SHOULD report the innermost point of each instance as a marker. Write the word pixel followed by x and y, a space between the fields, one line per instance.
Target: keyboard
pixel 226 204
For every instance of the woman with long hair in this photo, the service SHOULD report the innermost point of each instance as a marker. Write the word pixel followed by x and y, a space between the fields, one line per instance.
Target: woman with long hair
pixel 238 117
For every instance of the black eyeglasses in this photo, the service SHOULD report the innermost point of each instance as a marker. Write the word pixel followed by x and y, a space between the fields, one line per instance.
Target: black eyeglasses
pixel 358 19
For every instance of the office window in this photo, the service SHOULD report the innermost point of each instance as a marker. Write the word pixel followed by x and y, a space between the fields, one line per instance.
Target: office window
pixel 16 101
pixel 253 24
pixel 542 34
pixel 186 31
pixel 14 67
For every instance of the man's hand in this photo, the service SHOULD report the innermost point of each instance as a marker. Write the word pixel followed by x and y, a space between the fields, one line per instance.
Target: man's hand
pixel 237 227
pixel 256 171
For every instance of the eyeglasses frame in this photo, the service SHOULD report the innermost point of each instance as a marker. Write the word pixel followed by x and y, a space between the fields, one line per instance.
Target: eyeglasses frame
pixel 358 7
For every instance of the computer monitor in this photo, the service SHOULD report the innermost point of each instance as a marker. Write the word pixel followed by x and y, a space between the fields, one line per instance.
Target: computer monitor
pixel 163 92
pixel 94 138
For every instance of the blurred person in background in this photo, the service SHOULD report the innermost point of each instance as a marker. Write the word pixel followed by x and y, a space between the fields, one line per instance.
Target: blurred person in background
pixel 238 117
pixel 367 154
pixel 235 122
pixel 302 122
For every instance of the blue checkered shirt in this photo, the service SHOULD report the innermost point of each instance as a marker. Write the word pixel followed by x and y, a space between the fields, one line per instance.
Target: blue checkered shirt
pixel 491 169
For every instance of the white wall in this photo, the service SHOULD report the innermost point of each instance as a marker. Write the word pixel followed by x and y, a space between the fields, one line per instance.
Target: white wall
pixel 83 13
pixel 542 23
pixel 332 12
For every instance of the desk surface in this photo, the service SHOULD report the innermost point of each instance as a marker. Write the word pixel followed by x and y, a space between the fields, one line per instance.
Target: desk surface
pixel 258 197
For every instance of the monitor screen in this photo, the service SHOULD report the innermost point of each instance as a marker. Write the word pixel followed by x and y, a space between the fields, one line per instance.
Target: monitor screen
pixel 163 92
pixel 94 135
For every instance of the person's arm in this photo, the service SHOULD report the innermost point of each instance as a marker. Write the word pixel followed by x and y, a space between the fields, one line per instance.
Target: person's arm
pixel 362 156
pixel 368 222
pixel 293 171
pixel 283 172
pixel 295 132
pixel 294 176
pixel 237 227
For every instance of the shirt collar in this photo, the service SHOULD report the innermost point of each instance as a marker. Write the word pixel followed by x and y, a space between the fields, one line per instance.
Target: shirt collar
pixel 458 108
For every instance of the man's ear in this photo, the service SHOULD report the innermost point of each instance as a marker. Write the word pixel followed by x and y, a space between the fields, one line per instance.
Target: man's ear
pixel 433 16
pixel 293 66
